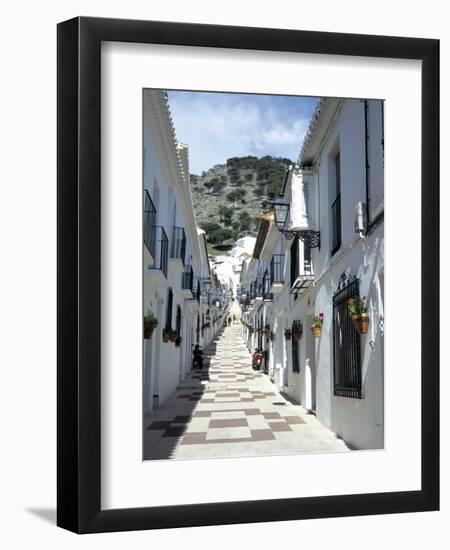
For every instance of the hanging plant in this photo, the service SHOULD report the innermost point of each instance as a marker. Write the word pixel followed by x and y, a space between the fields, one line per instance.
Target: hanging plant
pixel 166 335
pixel 267 330
pixel 288 334
pixel 150 323
pixel 359 314
pixel 297 329
pixel 272 336
pixel 316 325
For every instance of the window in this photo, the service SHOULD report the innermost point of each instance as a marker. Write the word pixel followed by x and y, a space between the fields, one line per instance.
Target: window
pixel 294 262
pixel 346 344
pixel 169 309
pixel 295 353
pixel 336 207
pixel 178 320
pixel 307 265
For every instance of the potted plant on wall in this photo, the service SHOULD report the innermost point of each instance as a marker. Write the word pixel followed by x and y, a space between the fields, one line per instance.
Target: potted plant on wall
pixel 150 323
pixel 316 325
pixel 288 334
pixel 360 316
pixel 272 336
pixel 267 330
pixel 297 329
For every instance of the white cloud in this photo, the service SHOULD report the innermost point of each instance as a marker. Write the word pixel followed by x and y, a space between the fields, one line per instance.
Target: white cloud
pixel 219 126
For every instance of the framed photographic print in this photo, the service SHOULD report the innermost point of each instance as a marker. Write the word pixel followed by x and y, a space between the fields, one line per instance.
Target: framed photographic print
pixel 248 304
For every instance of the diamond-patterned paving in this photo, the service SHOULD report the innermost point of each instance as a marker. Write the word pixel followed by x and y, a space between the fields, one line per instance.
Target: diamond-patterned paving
pixel 228 409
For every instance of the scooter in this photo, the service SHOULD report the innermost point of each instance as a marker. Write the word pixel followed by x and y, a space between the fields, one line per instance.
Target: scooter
pixel 258 359
pixel 197 362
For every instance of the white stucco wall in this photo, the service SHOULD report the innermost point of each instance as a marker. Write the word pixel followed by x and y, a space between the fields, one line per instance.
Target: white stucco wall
pixel 360 422
pixel 165 164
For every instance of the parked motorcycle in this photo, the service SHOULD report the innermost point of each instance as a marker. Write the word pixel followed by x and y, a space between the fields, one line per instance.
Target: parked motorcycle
pixel 258 359
pixel 197 362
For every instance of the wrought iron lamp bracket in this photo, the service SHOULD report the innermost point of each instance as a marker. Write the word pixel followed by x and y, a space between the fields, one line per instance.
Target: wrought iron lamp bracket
pixel 310 237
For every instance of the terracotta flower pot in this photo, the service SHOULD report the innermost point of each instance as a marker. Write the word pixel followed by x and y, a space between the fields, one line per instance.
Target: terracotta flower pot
pixel 148 333
pixel 166 337
pixel 297 335
pixel 361 321
pixel 288 336
pixel 316 331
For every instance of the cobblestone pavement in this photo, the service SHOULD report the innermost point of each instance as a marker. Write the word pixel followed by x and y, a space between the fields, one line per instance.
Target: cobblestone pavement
pixel 228 410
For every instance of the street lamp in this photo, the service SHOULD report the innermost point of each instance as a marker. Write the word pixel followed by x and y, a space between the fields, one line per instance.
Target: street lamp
pixel 281 209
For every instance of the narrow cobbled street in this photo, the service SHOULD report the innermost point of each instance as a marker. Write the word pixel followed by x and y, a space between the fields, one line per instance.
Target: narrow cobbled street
pixel 229 410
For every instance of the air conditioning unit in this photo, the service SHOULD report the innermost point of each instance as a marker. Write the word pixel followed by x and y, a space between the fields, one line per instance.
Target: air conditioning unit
pixel 360 218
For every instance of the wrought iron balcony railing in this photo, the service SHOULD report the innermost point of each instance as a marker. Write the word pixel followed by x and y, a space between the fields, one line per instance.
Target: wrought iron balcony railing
pixel 187 278
pixel 267 284
pixel 277 269
pixel 178 248
pixel 157 242
pixel 149 222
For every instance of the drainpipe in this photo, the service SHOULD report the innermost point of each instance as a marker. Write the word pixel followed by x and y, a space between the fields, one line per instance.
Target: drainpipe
pixel 366 111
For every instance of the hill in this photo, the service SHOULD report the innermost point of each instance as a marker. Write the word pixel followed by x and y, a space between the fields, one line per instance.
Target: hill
pixel 230 198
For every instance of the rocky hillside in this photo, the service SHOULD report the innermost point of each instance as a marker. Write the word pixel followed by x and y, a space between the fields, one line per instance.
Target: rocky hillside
pixel 229 198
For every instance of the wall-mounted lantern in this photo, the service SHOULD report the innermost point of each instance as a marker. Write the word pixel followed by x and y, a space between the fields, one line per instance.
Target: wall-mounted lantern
pixel 281 209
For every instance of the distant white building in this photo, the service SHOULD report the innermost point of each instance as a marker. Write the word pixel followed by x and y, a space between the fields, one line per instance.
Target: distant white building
pixel 179 287
pixel 337 192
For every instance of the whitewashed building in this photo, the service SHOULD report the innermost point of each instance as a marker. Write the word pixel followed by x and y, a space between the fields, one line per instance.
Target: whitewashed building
pixel 178 285
pixel 335 251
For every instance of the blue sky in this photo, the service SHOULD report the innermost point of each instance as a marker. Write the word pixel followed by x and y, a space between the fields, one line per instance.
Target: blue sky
pixel 217 126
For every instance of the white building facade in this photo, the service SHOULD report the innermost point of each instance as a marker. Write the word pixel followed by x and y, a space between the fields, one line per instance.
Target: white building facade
pixel 335 253
pixel 178 287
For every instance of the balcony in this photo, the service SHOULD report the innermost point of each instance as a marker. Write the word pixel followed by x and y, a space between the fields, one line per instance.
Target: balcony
pixel 149 222
pixel 178 249
pixel 252 293
pixel 277 273
pixel 259 294
pixel 267 287
pixel 187 282
pixel 156 241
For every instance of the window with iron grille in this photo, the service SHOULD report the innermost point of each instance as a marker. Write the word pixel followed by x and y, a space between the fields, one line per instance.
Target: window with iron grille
pixel 346 344
pixel 295 353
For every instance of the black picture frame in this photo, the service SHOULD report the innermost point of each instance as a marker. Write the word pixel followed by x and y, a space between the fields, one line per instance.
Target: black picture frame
pixel 79 279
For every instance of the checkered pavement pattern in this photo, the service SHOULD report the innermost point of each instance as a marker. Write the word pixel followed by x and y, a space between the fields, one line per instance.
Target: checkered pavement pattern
pixel 227 409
